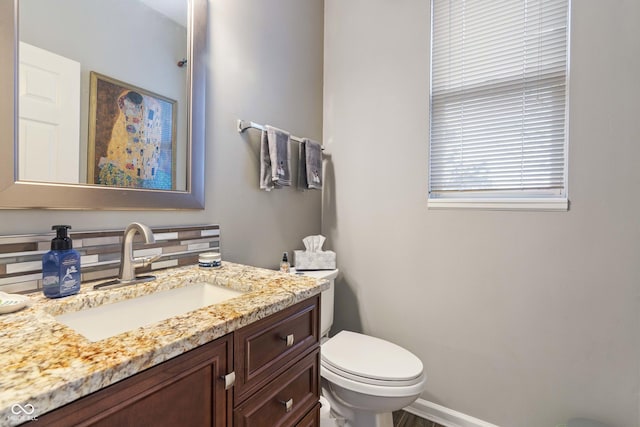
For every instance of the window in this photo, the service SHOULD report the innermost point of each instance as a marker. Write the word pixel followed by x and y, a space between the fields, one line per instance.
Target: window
pixel 498 103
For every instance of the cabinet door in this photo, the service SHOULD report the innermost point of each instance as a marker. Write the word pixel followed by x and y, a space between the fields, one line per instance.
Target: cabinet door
pixel 184 391
pixel 285 401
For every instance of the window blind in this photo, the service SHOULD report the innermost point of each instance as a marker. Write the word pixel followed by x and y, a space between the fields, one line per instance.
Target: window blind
pixel 498 98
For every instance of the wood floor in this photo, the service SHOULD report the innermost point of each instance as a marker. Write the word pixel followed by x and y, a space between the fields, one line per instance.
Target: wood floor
pixel 405 419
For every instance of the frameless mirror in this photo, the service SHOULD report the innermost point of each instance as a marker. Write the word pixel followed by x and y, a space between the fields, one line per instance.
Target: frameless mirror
pixel 108 105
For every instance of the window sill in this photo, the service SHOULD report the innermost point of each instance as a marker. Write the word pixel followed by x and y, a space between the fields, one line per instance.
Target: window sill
pixel 501 204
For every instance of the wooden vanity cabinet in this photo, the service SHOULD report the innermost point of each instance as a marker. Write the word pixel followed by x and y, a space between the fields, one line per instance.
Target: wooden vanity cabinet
pixel 276 362
pixel 185 391
pixel 277 366
pixel 312 419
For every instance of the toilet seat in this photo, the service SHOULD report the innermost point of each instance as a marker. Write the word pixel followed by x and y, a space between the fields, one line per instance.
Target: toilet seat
pixel 373 389
pixel 371 365
pixel 366 380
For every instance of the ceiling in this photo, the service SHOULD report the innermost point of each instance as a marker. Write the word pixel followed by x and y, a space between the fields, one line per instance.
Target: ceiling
pixel 176 10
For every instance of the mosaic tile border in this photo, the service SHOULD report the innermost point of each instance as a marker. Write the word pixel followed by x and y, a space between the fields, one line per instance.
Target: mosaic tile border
pixel 21 255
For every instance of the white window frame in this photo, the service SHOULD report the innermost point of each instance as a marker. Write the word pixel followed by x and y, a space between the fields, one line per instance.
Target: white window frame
pixel 538 200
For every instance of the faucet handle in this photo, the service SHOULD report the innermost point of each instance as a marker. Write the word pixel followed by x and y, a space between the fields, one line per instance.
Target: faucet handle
pixel 144 261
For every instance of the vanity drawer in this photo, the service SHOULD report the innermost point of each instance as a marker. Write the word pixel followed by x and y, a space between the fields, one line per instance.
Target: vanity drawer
pixel 286 401
pixel 263 348
pixel 312 419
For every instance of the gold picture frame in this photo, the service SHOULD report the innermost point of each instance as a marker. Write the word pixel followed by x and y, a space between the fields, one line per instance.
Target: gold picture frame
pixel 132 136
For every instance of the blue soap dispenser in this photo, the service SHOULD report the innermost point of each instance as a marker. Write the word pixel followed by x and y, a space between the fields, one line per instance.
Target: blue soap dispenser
pixel 61 266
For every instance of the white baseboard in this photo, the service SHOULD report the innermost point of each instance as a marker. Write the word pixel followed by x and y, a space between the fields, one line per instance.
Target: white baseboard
pixel 444 416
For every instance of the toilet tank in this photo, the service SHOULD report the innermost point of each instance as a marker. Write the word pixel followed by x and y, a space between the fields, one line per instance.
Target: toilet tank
pixel 326 299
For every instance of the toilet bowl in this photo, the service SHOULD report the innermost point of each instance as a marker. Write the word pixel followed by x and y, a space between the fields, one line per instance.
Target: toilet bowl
pixel 364 378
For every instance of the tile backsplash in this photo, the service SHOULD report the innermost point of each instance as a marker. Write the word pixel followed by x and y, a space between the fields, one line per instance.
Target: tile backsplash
pixel 21 255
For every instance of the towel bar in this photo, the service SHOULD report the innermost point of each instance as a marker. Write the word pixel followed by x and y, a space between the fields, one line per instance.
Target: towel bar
pixel 244 125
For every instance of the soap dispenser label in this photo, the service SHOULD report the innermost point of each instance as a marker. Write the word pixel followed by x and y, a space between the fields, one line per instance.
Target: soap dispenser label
pixel 50 280
pixel 70 277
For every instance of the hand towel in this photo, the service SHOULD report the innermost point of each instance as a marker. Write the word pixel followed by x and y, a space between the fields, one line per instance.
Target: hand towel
pixel 310 169
pixel 279 142
pixel 275 157
pixel 302 167
pixel 266 183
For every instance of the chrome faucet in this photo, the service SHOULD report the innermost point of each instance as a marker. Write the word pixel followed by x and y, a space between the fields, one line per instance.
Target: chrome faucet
pixel 128 263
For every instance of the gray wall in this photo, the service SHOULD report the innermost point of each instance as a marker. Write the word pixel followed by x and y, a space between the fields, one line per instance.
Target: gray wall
pixel 521 318
pixel 266 66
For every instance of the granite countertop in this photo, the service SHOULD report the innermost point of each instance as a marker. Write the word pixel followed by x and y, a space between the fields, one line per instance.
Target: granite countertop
pixel 45 364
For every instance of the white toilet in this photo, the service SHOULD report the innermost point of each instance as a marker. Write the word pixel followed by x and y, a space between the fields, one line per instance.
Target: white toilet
pixel 364 378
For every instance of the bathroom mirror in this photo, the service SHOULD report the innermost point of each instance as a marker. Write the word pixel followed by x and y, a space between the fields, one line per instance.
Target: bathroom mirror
pixel 123 128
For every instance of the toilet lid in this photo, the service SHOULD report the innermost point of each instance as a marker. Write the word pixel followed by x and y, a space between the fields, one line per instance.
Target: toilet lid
pixel 370 358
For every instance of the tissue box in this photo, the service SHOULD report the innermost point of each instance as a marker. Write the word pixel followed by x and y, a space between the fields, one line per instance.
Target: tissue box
pixel 325 260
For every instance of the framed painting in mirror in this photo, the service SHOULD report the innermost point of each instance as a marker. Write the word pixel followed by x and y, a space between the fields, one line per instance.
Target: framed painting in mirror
pixel 132 136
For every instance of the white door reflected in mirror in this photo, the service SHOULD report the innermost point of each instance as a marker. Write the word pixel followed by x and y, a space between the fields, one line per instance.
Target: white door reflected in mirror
pixel 49 118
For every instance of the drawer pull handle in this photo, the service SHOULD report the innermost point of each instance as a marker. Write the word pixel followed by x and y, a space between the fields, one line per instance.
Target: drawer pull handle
pixel 288 405
pixel 290 339
pixel 229 380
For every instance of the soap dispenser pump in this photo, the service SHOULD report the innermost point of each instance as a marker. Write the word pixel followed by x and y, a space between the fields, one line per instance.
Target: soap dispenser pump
pixel 61 266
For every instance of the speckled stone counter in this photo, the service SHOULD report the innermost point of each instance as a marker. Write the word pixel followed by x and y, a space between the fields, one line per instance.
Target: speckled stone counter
pixel 45 364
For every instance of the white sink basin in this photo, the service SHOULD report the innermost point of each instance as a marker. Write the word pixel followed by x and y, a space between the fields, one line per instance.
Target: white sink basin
pixel 108 320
